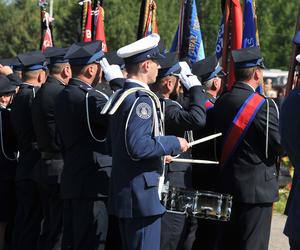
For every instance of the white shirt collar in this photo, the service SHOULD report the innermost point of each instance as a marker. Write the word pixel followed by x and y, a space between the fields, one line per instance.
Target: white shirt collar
pixel 138 82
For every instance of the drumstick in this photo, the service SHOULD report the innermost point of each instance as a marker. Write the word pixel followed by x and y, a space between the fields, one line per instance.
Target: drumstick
pixel 207 138
pixel 194 161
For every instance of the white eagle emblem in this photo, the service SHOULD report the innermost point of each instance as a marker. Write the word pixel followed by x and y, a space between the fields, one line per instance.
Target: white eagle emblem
pixel 143 110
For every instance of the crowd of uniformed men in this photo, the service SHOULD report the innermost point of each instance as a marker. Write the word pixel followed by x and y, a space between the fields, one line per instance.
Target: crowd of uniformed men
pixel 80 170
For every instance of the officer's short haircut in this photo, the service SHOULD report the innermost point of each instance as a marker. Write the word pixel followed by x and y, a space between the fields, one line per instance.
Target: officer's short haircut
pixel 78 69
pixel 244 73
pixel 30 75
pixel 208 84
pixel 132 68
pixel 57 68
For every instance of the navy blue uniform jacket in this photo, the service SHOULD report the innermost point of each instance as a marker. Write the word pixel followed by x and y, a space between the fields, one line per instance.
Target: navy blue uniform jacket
pixel 136 157
pixel 21 120
pixel 249 176
pixel 177 121
pixel 290 138
pixel 86 164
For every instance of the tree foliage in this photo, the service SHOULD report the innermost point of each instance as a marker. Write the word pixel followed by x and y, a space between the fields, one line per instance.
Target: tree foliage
pixel 20 29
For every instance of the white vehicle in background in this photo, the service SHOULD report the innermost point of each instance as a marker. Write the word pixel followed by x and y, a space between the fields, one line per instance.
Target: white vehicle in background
pixel 279 77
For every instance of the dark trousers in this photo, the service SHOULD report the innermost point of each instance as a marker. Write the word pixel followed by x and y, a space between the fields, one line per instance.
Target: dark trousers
pixel 51 233
pixel 85 223
pixel 205 234
pixel 113 240
pixel 294 244
pixel 177 231
pixel 140 233
pixel 28 216
pixel 248 228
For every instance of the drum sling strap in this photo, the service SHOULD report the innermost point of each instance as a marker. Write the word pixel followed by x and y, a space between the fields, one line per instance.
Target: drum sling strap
pixel 115 102
pixel 240 125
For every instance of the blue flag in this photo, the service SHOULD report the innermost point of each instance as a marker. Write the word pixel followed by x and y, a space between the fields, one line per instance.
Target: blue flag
pixel 219 46
pixel 196 48
pixel 249 34
pixel 188 38
pixel 175 42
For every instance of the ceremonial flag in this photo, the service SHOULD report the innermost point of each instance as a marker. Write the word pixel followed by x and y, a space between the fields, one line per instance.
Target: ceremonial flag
pixel 88 25
pixel 147 21
pixel 233 22
pixel 47 41
pixel 219 46
pixel 99 26
pixel 46 35
pixel 188 38
pixel 249 34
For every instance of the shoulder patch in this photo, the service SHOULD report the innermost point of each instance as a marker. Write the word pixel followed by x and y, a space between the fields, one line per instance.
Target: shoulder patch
pixel 143 110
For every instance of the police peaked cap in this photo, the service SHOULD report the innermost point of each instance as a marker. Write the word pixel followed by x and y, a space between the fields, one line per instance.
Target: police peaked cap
pixel 168 65
pixel 141 50
pixel 33 60
pixel 207 68
pixel 113 58
pixel 56 55
pixel 6 86
pixel 84 53
pixel 248 58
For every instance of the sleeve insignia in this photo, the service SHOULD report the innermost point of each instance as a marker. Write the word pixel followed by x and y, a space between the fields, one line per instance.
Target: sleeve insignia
pixel 143 110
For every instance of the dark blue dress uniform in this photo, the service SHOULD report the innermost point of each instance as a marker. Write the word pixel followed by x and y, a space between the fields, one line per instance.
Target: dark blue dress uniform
pixel 181 122
pixel 29 213
pixel 177 229
pixel 289 131
pixel 137 146
pixel 8 164
pixel 136 166
pixel 250 174
pixel 205 176
pixel 85 177
pixel 51 164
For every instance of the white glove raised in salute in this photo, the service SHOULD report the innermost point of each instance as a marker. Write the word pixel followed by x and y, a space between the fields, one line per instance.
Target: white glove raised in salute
pixel 111 72
pixel 186 77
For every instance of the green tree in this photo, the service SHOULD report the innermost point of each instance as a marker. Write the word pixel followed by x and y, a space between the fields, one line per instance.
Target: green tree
pixel 20 30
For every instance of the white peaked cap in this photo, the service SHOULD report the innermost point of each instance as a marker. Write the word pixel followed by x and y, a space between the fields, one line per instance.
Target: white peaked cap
pixel 140 46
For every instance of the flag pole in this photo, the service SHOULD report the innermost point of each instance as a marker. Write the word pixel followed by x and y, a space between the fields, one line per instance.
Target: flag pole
pixel 51 9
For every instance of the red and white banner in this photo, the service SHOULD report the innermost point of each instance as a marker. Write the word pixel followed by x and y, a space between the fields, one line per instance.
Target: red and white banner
pixel 47 40
pixel 88 26
pixel 99 33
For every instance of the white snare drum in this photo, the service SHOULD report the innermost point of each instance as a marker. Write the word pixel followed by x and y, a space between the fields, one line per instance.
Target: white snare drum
pixel 200 204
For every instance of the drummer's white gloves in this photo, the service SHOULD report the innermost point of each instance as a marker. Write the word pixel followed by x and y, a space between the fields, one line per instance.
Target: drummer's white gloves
pixel 111 72
pixel 186 77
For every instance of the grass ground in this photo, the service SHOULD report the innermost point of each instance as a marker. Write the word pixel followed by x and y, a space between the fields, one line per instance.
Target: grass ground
pixel 280 205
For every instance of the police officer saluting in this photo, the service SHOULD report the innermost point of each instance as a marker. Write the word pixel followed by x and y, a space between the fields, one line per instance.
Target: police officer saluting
pixel 51 164
pixel 248 151
pixel 137 147
pixel 12 68
pixel 85 177
pixel 205 176
pixel 177 228
pixel 8 163
pixel 29 213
